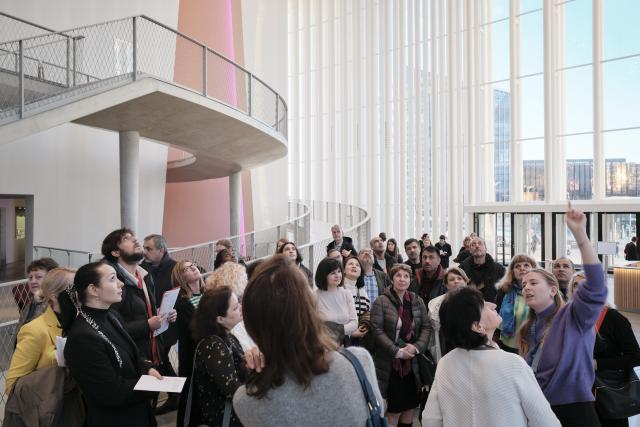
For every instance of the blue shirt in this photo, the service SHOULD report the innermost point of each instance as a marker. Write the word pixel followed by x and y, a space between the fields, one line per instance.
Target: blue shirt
pixel 371 286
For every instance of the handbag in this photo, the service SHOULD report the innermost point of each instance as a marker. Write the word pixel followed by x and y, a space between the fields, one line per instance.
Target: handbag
pixel 376 418
pixel 617 393
pixel 426 368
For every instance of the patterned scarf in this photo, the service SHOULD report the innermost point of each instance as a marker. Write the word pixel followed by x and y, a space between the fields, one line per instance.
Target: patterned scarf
pixel 403 366
pixel 507 310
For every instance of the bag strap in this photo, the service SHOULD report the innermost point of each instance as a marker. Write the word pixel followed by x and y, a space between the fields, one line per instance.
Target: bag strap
pixel 226 419
pixel 370 397
pixel 603 313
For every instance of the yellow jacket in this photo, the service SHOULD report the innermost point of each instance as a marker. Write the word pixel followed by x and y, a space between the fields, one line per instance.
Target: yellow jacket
pixel 36 347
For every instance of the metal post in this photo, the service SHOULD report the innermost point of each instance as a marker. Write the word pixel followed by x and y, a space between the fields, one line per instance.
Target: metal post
pixel 204 70
pixel 312 263
pixel 250 94
pixel 135 50
pixel 212 255
pixel 21 82
pixel 278 233
pixel 74 61
pixel 68 61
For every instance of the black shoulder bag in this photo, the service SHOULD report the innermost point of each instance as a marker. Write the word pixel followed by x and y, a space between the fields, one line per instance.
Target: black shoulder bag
pixel 376 418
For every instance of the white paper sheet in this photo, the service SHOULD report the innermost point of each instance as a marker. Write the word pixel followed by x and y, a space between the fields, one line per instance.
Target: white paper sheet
pixel 167 384
pixel 168 301
pixel 60 343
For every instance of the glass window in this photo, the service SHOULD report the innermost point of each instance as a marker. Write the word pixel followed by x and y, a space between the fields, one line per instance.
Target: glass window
pixel 579 158
pixel 499 36
pixel 621 29
pixel 533 169
pixel 578 99
pixel 529 5
pixel 527 235
pixel 499 9
pixel 576 16
pixel 621 93
pixel 532 106
pixel 531 43
pixel 622 163
pixel 502 144
pixel 619 228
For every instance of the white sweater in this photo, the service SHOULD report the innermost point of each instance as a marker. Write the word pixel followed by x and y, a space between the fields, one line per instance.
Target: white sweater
pixel 338 306
pixel 486 388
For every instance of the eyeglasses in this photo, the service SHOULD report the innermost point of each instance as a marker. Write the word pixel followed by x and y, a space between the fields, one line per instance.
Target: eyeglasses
pixel 193 266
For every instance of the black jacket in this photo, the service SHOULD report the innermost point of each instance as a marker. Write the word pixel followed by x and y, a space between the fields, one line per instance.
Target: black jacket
pixel 444 259
pixel 133 310
pixel 108 388
pixel 161 275
pixel 347 244
pixel 484 276
pixel 630 252
pixel 462 255
pixel 387 260
pixel 616 346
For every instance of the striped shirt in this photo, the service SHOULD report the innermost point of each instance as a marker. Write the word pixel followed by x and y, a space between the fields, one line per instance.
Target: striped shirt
pixel 360 298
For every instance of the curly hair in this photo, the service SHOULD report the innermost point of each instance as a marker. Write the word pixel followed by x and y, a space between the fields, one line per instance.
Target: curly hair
pixel 230 274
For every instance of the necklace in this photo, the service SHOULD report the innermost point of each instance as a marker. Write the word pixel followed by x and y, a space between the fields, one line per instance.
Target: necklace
pixel 95 327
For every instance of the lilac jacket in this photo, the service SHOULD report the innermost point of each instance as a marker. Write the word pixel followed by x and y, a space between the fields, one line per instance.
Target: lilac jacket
pixel 565 372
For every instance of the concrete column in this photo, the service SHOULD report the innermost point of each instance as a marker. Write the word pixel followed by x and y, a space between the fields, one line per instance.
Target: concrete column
pixel 235 196
pixel 129 178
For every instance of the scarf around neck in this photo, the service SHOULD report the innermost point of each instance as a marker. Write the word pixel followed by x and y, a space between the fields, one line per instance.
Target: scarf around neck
pixel 405 313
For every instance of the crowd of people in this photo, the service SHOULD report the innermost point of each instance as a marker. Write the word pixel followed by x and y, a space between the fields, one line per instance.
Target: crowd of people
pixel 265 343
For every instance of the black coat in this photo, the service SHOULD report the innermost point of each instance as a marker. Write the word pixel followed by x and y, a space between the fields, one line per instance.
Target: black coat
pixel 444 259
pixel 347 244
pixel 616 346
pixel 108 388
pixel 484 276
pixel 462 255
pixel 161 275
pixel 630 252
pixel 133 311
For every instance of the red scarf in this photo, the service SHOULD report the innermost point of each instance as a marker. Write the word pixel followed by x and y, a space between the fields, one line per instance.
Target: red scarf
pixel 405 313
pixel 154 348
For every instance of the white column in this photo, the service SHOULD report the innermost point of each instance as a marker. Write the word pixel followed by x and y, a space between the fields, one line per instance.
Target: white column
pixel 319 142
pixel 294 112
pixel 471 67
pixel 515 111
pixel 129 178
pixel 235 196
pixel 550 130
pixel 306 81
pixel 435 119
pixel 599 166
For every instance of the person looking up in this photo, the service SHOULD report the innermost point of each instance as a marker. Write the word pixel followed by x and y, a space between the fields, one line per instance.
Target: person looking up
pixel 482 270
pixel 557 339
pixel 463 393
pixel 375 281
pixel 510 302
pixel 382 261
pixel 563 269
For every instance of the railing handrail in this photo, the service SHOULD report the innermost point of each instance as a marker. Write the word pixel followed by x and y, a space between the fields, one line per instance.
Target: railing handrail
pixel 346 230
pixel 13 282
pixel 65 250
pixel 24 21
pixel 240 236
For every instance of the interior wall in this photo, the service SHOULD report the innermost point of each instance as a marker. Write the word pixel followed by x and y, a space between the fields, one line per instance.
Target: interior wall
pixel 72 171
pixel 264 26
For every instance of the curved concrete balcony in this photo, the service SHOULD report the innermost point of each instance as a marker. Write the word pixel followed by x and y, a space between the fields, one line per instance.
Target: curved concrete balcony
pixel 137 74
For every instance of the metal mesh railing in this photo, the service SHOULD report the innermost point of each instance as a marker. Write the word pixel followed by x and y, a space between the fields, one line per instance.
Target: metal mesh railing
pixel 256 244
pixel 66 257
pixel 355 223
pixel 14 28
pixel 58 68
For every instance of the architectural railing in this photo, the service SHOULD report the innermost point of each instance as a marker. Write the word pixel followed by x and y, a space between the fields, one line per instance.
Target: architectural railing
pixel 256 244
pixel 53 69
pixel 14 28
pixel 66 257
pixel 355 222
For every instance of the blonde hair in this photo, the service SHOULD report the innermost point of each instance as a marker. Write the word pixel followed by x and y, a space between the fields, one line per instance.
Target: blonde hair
pixel 525 329
pixel 506 285
pixel 231 275
pixel 178 279
pixel 55 282
pixel 573 283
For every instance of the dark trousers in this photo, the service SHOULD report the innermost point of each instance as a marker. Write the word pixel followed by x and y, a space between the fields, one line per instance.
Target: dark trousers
pixel 580 414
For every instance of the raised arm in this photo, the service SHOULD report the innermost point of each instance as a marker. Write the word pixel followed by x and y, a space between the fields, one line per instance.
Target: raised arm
pixel 577 223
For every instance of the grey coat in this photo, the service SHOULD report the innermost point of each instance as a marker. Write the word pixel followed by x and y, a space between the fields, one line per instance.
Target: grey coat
pixel 384 318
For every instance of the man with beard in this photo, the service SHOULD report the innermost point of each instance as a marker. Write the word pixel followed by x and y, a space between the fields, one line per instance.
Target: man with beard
pixel 375 281
pixel 482 270
pixel 138 306
pixel 563 269
pixel 412 249
pixel 382 260
pixel 429 282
